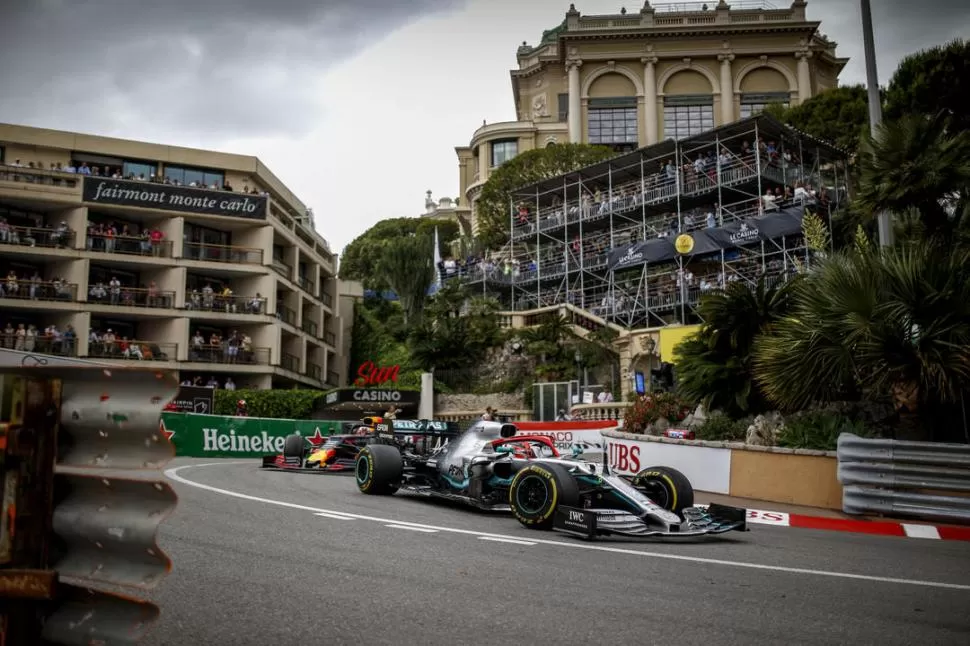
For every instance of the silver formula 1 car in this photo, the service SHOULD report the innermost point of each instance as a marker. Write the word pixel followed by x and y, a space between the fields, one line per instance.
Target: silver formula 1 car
pixel 490 467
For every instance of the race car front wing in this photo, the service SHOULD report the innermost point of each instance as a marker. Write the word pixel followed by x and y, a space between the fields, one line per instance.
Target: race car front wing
pixel 698 521
pixel 280 463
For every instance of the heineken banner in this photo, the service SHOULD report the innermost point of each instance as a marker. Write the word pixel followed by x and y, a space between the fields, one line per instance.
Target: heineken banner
pixel 214 436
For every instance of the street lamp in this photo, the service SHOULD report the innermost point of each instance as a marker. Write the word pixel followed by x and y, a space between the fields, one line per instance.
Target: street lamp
pixel 875 107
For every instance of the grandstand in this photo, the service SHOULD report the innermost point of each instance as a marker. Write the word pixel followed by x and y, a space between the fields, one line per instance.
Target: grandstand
pixel 638 238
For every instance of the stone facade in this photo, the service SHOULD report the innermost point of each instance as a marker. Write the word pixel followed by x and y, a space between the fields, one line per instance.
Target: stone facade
pixel 452 403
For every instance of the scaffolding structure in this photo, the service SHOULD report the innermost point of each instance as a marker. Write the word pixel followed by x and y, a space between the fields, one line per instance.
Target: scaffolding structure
pixel 638 238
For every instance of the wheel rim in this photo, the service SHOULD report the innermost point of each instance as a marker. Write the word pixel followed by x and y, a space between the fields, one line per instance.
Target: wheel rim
pixel 363 469
pixel 532 494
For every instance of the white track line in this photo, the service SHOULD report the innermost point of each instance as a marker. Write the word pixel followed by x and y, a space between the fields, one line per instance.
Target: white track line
pixel 426 530
pixel 174 475
pixel 514 541
pixel 327 514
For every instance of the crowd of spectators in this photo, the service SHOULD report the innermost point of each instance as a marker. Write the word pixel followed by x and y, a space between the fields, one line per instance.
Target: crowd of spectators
pixel 35 287
pixel 236 347
pixel 27 337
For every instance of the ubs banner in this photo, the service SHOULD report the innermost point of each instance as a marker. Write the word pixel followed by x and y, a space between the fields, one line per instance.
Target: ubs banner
pixel 101 190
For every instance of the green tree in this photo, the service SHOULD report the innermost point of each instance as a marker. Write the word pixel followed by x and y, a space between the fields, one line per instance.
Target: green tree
pixel 406 265
pixel 714 366
pixel 917 164
pixel 884 326
pixel 360 257
pixel 492 206
pixel 932 81
pixel 839 115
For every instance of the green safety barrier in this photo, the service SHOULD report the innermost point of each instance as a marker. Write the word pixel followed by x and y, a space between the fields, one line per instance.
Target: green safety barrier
pixel 217 436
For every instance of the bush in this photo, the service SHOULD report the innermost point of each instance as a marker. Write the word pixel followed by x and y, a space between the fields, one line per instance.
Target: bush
pixel 652 407
pixel 818 431
pixel 719 427
pixel 279 404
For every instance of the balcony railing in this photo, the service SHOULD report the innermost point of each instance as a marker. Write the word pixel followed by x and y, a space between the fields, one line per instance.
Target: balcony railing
pixel 199 302
pixel 131 297
pixel 290 362
pixel 327 299
pixel 45 290
pixel 129 245
pixel 41 344
pixel 330 338
pixel 307 285
pixel 227 354
pixel 222 253
pixel 333 378
pixel 313 371
pixel 46 237
pixel 29 175
pixel 310 327
pixel 133 350
pixel 282 268
pixel 286 315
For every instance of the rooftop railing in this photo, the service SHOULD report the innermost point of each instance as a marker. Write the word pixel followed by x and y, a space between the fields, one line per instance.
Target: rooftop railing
pixel 27 175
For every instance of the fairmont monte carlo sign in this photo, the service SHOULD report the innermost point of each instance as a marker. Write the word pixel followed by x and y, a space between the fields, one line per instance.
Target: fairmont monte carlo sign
pixel 148 195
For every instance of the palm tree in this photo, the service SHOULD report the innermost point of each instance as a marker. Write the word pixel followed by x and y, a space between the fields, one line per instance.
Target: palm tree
pixel 917 163
pixel 714 366
pixel 893 325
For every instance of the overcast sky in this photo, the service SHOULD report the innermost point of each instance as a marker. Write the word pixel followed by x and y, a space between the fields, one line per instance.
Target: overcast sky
pixel 356 105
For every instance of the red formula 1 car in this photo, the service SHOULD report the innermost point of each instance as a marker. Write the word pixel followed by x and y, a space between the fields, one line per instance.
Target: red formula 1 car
pixel 338 453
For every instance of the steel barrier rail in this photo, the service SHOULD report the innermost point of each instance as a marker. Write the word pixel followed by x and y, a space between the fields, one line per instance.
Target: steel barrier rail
pixel 924 480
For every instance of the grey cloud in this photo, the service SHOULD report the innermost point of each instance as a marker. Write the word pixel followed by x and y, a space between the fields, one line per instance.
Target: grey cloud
pixel 901 27
pixel 211 68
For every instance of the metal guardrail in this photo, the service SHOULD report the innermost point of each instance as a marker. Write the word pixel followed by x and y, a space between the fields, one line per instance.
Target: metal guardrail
pixel 925 480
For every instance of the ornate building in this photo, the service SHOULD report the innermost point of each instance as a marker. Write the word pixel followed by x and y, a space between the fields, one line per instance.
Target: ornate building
pixel 667 72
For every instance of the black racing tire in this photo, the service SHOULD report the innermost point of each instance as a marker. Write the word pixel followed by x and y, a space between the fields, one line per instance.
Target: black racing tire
pixel 293 446
pixel 378 469
pixel 538 490
pixel 667 487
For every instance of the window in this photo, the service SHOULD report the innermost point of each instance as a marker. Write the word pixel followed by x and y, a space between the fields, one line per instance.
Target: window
pixel 198 281
pixel 502 151
pixel 688 115
pixel 752 104
pixel 205 235
pixel 102 274
pixel 613 121
pixel 563 107
pixel 138 170
pixel 199 176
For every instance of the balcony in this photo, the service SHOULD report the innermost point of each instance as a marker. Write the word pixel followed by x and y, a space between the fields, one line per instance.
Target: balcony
pixel 286 315
pixel 40 344
pixel 309 327
pixel 330 338
pixel 327 299
pixel 147 298
pixel 38 176
pixel 222 253
pixel 128 245
pixel 282 268
pixel 196 301
pixel 46 290
pixel 133 350
pixel 290 362
pixel 225 354
pixel 333 378
pixel 307 285
pixel 313 371
pixel 46 237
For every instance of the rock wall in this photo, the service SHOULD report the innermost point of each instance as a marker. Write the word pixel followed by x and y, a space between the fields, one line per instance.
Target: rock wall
pixel 448 403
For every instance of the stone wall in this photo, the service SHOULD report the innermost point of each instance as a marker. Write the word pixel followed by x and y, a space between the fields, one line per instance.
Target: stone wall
pixel 448 403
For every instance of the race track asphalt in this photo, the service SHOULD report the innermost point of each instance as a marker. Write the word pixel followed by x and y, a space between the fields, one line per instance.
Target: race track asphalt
pixel 249 571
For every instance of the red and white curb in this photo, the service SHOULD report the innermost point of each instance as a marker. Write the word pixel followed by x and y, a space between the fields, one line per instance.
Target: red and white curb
pixel 878 527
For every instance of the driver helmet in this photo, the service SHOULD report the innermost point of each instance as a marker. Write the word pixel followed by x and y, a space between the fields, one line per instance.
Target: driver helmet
pixel 241 402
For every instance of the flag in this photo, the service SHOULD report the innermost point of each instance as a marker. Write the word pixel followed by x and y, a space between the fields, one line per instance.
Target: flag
pixel 437 260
